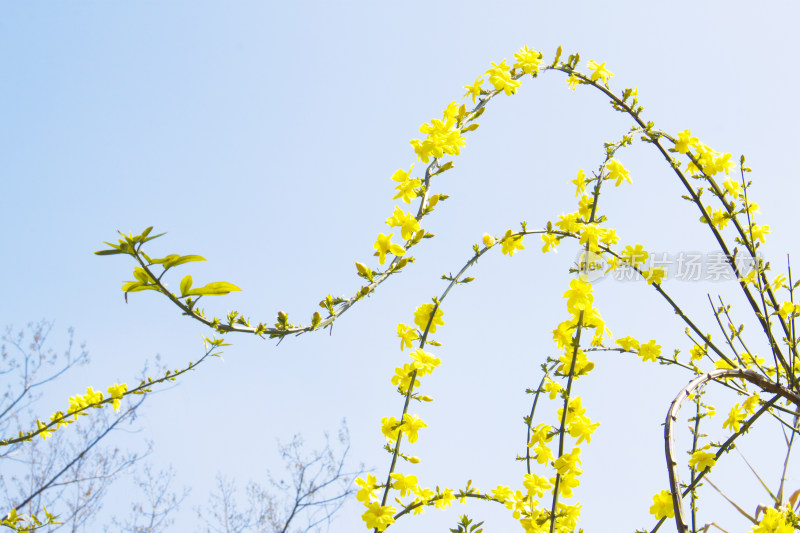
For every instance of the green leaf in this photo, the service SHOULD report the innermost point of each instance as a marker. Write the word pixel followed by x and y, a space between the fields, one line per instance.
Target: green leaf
pixel 184 259
pixel 136 286
pixel 162 260
pixel 186 284
pixel 142 275
pixel 218 288
pixel 154 237
pixel 174 260
pixel 109 252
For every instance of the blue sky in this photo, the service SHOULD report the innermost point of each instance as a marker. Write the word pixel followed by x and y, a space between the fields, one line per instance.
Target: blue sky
pixel 263 136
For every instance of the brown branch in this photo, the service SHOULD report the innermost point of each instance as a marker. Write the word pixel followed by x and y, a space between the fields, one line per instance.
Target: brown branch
pixel 672 416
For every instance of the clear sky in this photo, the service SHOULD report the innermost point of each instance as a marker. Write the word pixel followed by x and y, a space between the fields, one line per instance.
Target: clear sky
pixel 262 135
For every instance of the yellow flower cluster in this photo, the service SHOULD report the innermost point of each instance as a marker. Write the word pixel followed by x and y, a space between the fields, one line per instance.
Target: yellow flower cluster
pixel 427 317
pixel 78 405
pixel 782 520
pixel 443 136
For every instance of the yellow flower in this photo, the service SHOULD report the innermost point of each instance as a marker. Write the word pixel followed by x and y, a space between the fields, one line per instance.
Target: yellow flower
pixel 117 392
pixel 445 499
pixel 552 388
pixel 585 207
pixel 44 432
pixel 384 245
pixel 500 77
pixel 378 516
pixel 649 351
pixel 488 240
pixel 568 463
pixel 580 183
pixel 401 175
pixel 407 223
pixel 411 425
pixel 536 485
pixel 654 275
pixel 443 136
pixel 759 232
pixel 590 236
pixel 367 491
pixel 697 352
pixel 723 364
pixel 405 484
pixel 776 521
pixel 59 419
pixel 402 377
pixel 599 72
pixel 501 493
pixel 573 81
pixel 662 505
pixel 423 315
pixel 390 427
pixel 735 417
pixel 701 459
pixel 550 242
pixel 617 172
pixel 723 163
pixel 407 335
pixel 635 256
pixel 751 403
pixel 582 364
pixel 528 60
pixel 424 362
pixel 579 296
pixel 734 188
pixel 563 334
pixel 406 188
pixel 609 236
pixel 718 217
pixel 76 403
pixel 568 223
pixel 511 243
pixel 685 140
pixel 540 435
pixel 786 309
pixel 93 397
pixel 474 90
pixel 543 454
pixel 567 484
pixel 628 343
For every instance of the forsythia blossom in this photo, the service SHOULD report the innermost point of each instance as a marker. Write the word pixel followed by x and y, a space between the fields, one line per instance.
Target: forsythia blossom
pixel 406 188
pixel 423 315
pixel 600 72
pixel 528 60
pixel 617 172
pixel 407 223
pixel 474 90
pixel 662 505
pixel 649 351
pixel 117 392
pixel 511 243
pixel 701 459
pixel 407 336
pixel 443 136
pixel 378 516
pixel 384 245
pixel 500 77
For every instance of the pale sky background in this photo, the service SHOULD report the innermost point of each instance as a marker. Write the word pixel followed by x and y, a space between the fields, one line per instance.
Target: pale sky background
pixel 263 136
